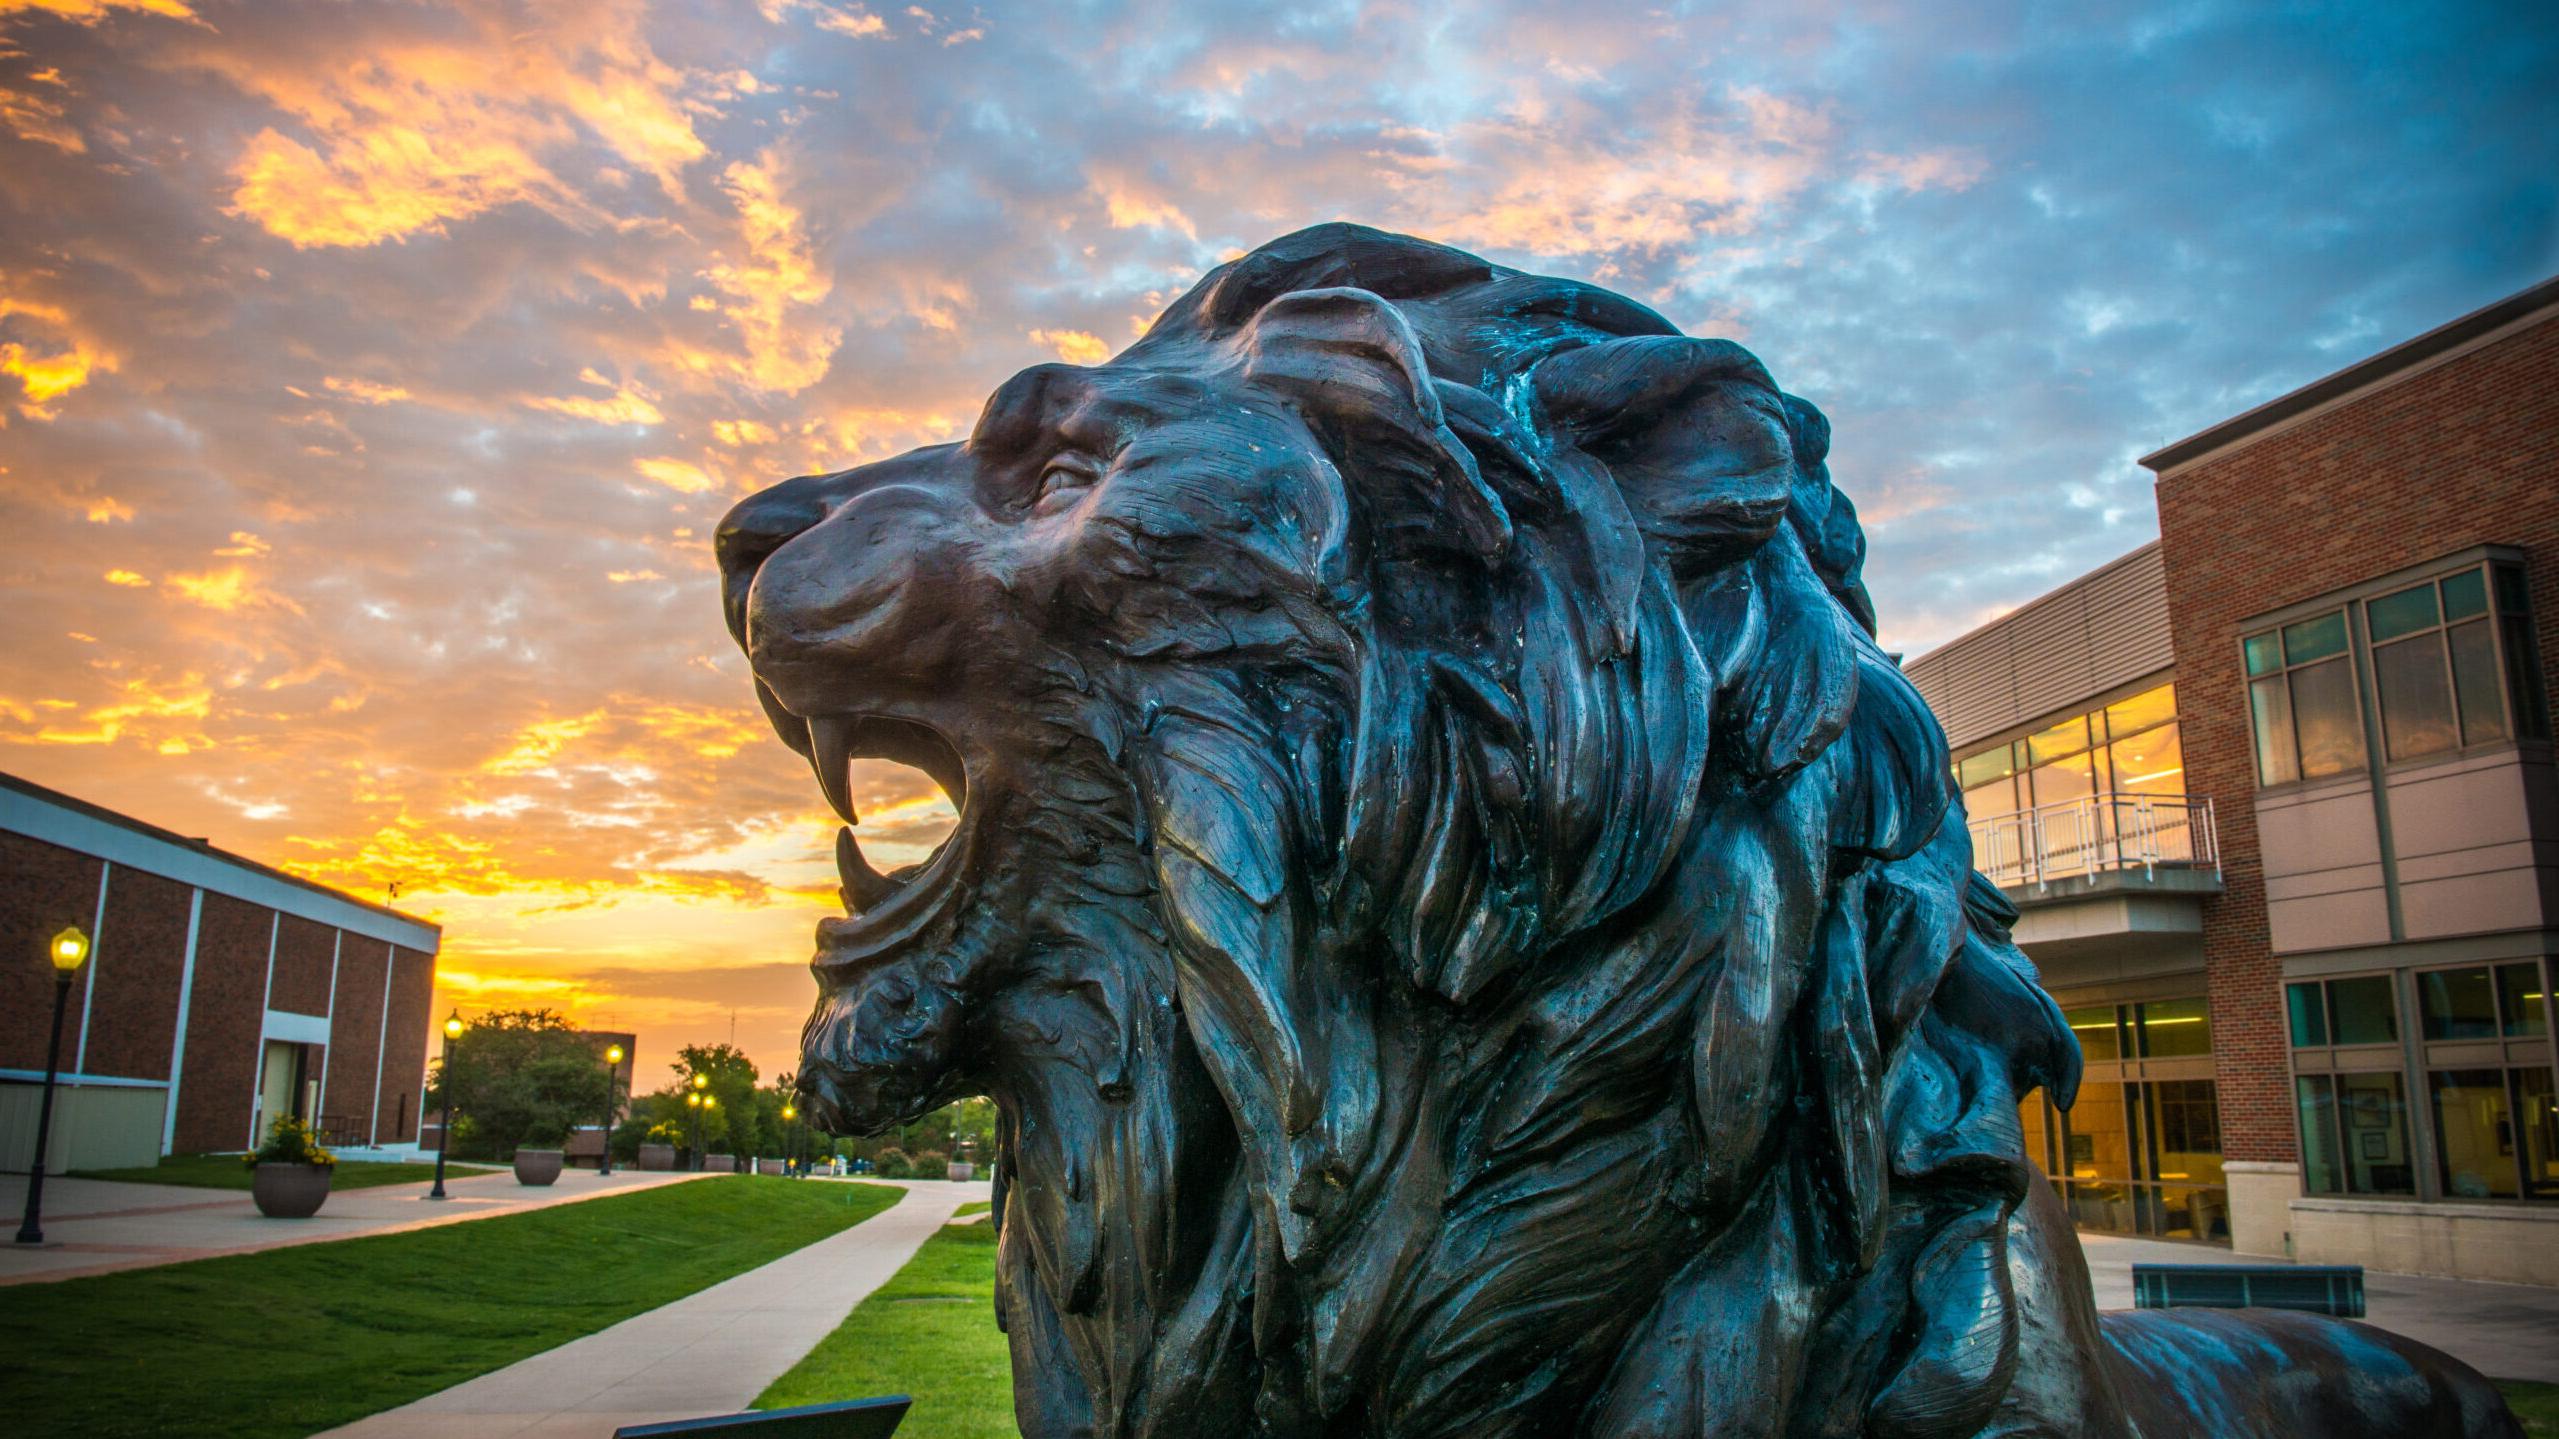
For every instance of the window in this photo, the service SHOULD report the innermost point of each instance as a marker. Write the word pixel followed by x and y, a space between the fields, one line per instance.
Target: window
pixel 2095 791
pixel 2435 669
pixel 2095 1030
pixel 2140 1152
pixel 2173 1029
pixel 2480 1061
pixel 2301 695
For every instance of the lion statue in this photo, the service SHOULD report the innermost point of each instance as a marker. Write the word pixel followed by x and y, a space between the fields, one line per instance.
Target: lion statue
pixel 1466 931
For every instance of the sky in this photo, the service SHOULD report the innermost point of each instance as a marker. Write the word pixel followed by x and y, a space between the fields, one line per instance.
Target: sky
pixel 372 376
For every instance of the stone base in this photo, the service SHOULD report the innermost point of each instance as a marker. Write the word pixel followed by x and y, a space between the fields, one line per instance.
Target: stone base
pixel 2261 1196
pixel 2511 1244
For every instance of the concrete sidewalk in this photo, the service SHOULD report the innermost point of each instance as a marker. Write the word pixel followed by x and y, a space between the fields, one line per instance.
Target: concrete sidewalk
pixel 709 1353
pixel 2505 1331
pixel 95 1226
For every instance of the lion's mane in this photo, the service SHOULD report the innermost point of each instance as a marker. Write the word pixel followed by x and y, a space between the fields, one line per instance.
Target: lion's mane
pixel 1557 998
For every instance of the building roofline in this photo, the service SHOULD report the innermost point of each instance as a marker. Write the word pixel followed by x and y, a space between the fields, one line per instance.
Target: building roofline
pixel 204 847
pixel 2049 596
pixel 2359 375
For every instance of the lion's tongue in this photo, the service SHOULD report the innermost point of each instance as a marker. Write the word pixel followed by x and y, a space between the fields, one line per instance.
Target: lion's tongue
pixel 863 885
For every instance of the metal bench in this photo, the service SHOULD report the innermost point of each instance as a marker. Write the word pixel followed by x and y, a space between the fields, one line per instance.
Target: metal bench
pixel 2336 1289
pixel 848 1419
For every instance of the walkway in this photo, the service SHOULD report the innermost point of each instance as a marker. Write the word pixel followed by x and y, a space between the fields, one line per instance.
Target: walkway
pixel 95 1226
pixel 709 1353
pixel 2505 1331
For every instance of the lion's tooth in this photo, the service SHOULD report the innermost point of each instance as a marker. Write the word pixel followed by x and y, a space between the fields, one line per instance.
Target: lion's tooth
pixel 863 885
pixel 831 754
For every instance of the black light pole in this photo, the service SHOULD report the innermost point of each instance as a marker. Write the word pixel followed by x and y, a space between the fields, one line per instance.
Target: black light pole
pixel 444 1142
pixel 612 1068
pixel 69 948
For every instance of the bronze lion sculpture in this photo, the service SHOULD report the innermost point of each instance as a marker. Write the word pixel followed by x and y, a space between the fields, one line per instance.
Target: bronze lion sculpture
pixel 1467 933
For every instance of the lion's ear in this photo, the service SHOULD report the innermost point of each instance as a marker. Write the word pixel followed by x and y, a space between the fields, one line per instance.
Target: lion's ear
pixel 1694 431
pixel 1354 369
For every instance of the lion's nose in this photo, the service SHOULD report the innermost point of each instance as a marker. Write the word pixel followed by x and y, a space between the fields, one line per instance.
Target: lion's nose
pixel 765 522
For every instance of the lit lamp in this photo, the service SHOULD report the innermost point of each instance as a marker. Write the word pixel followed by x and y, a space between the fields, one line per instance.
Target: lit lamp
pixel 612 1078
pixel 444 1143
pixel 68 950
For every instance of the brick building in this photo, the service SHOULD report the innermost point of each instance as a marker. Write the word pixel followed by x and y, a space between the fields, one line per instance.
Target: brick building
pixel 219 993
pixel 2276 798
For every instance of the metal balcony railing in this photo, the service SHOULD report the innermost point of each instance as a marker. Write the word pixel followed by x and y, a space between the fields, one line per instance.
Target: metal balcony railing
pixel 2097 835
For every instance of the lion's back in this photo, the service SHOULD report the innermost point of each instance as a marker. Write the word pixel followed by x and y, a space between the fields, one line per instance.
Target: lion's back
pixel 2263 1373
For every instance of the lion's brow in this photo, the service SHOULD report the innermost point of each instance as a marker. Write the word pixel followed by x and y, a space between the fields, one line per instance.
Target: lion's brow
pixel 1018 411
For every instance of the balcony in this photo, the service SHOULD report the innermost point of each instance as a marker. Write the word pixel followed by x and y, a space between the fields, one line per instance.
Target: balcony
pixel 2103 834
pixel 2107 888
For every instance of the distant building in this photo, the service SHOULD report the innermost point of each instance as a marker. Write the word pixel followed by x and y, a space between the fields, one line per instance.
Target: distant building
pixel 219 993
pixel 2276 799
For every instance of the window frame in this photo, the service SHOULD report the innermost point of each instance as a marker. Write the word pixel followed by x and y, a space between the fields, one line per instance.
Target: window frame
pixel 2285 668
pixel 2492 616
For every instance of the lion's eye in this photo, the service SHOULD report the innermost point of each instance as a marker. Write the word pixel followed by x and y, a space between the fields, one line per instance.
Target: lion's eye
pixel 1062 476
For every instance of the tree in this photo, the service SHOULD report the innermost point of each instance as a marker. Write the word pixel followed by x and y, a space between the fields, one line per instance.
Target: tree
pixel 518 1069
pixel 732 1125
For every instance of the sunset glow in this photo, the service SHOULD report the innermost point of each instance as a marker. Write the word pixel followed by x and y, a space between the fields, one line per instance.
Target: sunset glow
pixel 372 378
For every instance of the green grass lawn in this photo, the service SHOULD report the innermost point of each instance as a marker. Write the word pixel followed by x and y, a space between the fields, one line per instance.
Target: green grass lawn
pixel 974 1206
pixel 292 1341
pixel 2537 1405
pixel 929 1332
pixel 225 1171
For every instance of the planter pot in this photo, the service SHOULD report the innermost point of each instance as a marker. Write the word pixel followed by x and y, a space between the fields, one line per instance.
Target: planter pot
pixel 537 1166
pixel 961 1170
pixel 768 1166
pixel 291 1191
pixel 657 1156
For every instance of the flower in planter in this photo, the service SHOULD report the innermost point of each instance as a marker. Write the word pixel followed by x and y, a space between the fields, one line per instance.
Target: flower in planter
pixel 289 1141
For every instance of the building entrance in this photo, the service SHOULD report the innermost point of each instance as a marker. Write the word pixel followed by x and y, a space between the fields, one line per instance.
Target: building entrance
pixel 2140 1153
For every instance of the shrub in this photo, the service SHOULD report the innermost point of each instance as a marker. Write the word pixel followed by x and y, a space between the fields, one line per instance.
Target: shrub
pixel 666 1134
pixel 628 1136
pixel 289 1141
pixel 931 1164
pixel 892 1163
pixel 543 1132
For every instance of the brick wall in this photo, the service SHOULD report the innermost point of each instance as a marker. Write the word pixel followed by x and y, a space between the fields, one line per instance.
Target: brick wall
pixel 302 951
pixel 2464 454
pixel 225 1012
pixel 405 1047
pixel 355 1030
pixel 42 888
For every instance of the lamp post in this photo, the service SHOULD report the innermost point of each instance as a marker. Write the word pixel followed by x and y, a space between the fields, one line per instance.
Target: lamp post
pixel 709 1103
pixel 68 949
pixel 790 1136
pixel 444 1142
pixel 612 1068
pixel 693 1124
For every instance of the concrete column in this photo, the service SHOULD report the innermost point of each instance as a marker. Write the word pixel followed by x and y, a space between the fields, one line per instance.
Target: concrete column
pixel 2261 1196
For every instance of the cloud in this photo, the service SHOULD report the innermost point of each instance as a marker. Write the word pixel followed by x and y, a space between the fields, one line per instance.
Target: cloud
pixel 376 377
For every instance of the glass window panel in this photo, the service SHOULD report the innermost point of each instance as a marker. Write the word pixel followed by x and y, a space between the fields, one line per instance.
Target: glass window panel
pixel 2098 1134
pixel 2360 1011
pixel 2315 639
pixel 2404 613
pixel 2323 714
pixel 2150 707
pixel 2474 683
pixel 2416 697
pixel 1990 764
pixel 2152 762
pixel 2475 1132
pixel 2309 1016
pixel 2315 1101
pixel 2457 1004
pixel 2095 1029
pixel 2185 1125
pixel 2173 1029
pixel 2265 653
pixel 1991 801
pixel 2068 737
pixel 2062 781
pixel 2523 679
pixel 2270 704
pixel 2465 594
pixel 2522 1000
pixel 2033 1117
pixel 2539 1125
pixel 2373 1110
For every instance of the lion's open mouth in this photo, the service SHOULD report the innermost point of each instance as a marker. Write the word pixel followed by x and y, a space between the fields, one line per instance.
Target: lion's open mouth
pixel 885 910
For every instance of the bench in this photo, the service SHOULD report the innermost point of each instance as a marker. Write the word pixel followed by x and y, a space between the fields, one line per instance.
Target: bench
pixel 2335 1289
pixel 847 1419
